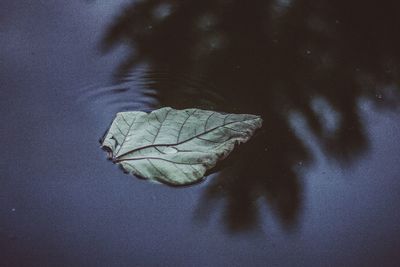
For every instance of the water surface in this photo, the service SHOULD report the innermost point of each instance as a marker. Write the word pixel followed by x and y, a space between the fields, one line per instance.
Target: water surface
pixel 317 186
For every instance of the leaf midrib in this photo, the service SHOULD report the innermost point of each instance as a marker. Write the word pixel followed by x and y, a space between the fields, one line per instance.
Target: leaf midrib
pixel 116 159
pixel 157 158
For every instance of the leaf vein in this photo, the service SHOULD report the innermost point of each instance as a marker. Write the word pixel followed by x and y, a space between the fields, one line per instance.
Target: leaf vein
pixel 205 125
pixel 125 136
pixel 161 124
pixel 180 130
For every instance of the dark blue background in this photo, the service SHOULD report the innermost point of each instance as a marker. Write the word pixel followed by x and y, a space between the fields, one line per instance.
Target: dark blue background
pixel 63 204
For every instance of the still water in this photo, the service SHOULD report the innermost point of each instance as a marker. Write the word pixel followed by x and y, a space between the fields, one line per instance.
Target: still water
pixel 319 185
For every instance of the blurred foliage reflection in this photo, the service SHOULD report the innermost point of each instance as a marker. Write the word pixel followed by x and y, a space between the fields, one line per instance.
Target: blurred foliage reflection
pixel 271 58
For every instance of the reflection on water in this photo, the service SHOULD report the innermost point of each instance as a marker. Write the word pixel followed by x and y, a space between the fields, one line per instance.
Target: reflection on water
pixel 312 58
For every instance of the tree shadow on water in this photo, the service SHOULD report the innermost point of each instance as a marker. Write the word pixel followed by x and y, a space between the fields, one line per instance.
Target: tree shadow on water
pixel 315 58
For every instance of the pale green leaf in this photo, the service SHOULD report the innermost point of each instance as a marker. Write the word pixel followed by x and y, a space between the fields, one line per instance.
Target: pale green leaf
pixel 175 147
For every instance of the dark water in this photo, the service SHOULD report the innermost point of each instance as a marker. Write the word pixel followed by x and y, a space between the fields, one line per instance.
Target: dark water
pixel 319 185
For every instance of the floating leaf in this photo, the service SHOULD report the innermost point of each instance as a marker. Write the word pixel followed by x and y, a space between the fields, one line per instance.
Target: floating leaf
pixel 175 147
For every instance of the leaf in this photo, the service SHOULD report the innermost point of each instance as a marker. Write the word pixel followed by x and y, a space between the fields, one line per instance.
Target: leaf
pixel 175 147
